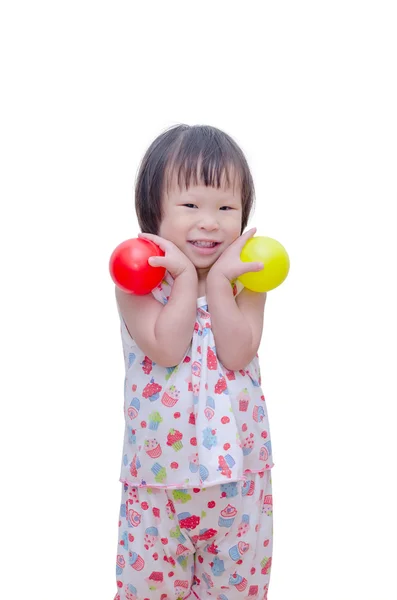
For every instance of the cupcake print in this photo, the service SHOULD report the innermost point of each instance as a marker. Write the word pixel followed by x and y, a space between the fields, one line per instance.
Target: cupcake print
pixel 243 400
pixel 160 474
pixel 155 580
pixel 136 561
pixel 152 390
pixel 248 487
pixel 181 587
pixel 151 537
pixel 244 526
pixel 152 448
pixel 226 463
pixel 248 444
pixel 181 496
pixel 196 369
pixel 266 564
pixel 131 592
pixel 227 516
pixel 236 552
pixel 203 473
pixel 133 518
pixel 258 414
pixel 133 408
pixel 238 581
pixel 209 438
pixel 253 592
pixel 267 506
pixel 154 420
pixel 174 439
pixel 194 462
pixel 135 465
pixel 120 564
pixel 263 453
pixel 188 521
pixel 170 397
pixel 209 410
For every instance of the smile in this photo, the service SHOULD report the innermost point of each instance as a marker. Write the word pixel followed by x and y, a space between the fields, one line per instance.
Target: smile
pixel 204 244
pixel 204 247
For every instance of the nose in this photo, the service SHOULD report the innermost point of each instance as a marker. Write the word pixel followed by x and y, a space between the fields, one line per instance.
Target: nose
pixel 208 223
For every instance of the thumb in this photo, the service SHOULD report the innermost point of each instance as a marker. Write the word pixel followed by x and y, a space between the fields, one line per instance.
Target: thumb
pixel 155 261
pixel 251 267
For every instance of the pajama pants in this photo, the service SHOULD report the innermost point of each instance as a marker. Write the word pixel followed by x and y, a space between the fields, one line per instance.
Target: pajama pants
pixel 213 542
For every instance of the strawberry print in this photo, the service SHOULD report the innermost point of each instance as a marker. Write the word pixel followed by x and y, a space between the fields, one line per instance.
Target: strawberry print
pixel 212 362
pixel 147 365
pixel 212 548
pixel 230 375
pixel 220 386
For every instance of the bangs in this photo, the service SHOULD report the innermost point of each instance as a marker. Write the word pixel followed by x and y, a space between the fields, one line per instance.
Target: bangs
pixel 190 155
pixel 205 157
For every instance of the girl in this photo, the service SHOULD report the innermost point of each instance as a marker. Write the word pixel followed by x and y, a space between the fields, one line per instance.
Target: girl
pixel 196 509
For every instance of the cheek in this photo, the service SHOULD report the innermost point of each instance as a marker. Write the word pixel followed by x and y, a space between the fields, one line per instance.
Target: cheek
pixel 179 223
pixel 234 227
pixel 173 228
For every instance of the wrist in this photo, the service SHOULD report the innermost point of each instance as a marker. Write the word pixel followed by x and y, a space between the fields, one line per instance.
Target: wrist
pixel 217 279
pixel 188 274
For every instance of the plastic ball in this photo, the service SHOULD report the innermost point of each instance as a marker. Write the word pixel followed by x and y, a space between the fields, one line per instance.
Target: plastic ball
pixel 129 267
pixel 276 264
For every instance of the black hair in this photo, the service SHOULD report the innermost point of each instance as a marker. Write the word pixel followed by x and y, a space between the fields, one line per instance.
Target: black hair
pixel 200 154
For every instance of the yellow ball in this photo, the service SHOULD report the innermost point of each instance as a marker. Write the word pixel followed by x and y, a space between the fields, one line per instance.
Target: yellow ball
pixel 276 264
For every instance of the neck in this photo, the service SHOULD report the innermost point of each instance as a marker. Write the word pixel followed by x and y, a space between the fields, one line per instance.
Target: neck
pixel 202 274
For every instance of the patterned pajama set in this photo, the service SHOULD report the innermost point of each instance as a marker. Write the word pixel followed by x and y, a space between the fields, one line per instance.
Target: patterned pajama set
pixel 196 515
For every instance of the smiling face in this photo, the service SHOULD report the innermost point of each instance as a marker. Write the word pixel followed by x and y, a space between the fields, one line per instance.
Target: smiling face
pixel 201 221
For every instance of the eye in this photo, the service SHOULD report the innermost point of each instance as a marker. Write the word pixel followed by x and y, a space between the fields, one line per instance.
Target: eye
pixel 190 205
pixel 226 208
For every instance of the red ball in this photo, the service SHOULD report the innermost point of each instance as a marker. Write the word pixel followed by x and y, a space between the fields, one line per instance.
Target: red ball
pixel 129 267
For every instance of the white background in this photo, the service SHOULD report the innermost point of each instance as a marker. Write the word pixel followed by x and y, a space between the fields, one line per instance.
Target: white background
pixel 308 89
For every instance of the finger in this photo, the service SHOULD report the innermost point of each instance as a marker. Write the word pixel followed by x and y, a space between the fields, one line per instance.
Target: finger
pixel 249 233
pixel 252 267
pixel 161 242
pixel 246 236
pixel 156 261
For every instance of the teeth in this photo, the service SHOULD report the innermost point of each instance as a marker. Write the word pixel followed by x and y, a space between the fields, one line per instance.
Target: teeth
pixel 204 244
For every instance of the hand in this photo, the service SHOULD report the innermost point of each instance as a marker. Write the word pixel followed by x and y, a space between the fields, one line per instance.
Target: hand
pixel 229 263
pixel 175 261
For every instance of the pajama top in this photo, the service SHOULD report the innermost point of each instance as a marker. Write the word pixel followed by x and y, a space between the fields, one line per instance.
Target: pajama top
pixel 196 424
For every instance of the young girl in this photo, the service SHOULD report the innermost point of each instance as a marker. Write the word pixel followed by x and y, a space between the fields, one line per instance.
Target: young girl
pixel 196 509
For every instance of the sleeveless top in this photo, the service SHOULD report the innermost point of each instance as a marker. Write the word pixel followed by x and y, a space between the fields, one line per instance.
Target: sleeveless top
pixel 196 424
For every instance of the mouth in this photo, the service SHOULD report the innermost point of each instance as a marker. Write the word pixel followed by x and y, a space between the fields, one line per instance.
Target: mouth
pixel 204 243
pixel 204 246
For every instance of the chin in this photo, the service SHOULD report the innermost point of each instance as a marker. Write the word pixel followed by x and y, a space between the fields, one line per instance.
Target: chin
pixel 202 265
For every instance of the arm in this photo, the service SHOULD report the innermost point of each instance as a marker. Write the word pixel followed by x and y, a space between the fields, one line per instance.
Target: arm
pixel 234 320
pixel 162 332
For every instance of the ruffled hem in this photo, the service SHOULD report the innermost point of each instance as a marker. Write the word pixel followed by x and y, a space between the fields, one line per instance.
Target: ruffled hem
pixel 195 484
